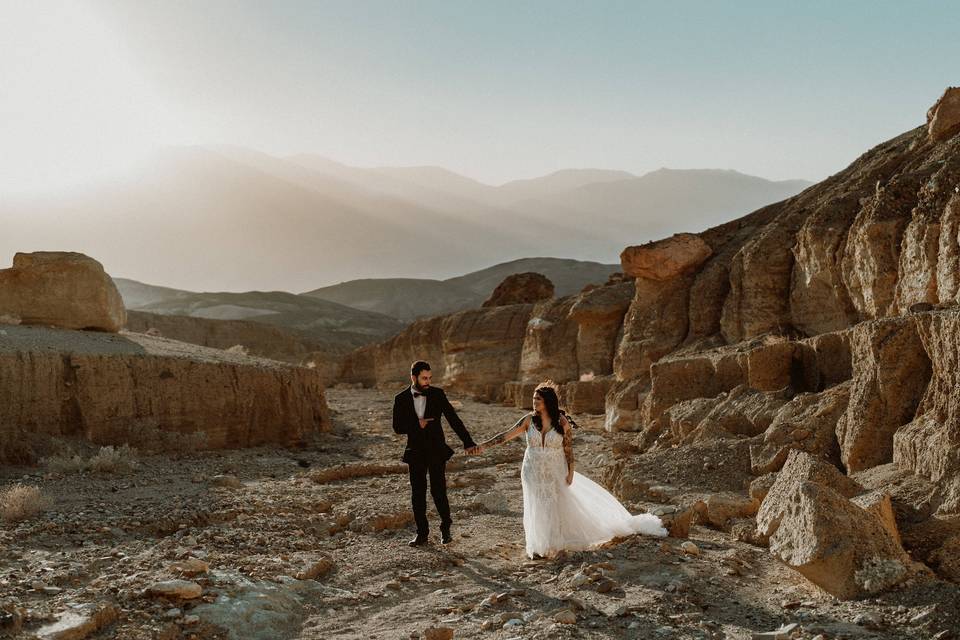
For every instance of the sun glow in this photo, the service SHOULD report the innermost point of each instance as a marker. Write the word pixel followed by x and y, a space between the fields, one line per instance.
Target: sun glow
pixel 73 107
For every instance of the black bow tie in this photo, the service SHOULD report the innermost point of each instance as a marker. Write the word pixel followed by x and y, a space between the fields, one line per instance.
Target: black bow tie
pixel 417 394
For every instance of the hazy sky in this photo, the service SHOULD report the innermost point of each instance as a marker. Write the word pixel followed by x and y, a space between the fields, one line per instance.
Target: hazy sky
pixel 494 90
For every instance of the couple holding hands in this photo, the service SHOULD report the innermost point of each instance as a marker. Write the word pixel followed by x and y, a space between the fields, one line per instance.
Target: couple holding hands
pixel 562 509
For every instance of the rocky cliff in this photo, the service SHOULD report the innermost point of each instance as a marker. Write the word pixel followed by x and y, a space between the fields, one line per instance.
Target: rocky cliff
pixel 122 388
pixel 826 324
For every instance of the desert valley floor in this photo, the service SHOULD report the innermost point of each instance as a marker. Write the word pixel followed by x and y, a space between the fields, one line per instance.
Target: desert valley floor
pixel 274 543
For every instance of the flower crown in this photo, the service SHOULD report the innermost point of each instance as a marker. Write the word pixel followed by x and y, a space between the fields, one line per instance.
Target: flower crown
pixel 549 384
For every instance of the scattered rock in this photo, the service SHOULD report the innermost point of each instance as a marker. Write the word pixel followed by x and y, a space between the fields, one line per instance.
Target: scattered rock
pixel 175 589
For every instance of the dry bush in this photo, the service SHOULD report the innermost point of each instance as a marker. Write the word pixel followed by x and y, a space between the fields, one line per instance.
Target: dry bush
pixel 114 459
pixel 149 437
pixel 238 348
pixel 21 502
pixel 66 463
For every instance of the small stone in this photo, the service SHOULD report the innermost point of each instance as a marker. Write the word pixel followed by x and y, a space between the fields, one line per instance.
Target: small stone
pixel 190 567
pixel 783 633
pixel 182 589
pixel 565 617
pixel 690 548
pixel 318 569
pixel 438 633
pixel 393 584
pixel 869 620
pixel 513 622
pixel 579 579
pixel 606 586
pixel 225 481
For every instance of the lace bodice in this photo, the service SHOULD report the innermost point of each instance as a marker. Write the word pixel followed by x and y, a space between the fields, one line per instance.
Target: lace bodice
pixel 550 440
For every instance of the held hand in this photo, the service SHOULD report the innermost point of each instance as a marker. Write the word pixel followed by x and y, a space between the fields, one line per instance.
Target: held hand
pixel 570 477
pixel 472 451
pixel 424 422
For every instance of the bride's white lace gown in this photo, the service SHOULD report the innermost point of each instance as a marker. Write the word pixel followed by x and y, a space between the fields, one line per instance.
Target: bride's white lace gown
pixel 573 517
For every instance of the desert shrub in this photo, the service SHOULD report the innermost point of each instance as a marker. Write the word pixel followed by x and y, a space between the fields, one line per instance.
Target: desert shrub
pixel 238 348
pixel 114 459
pixel 66 463
pixel 21 502
pixel 149 437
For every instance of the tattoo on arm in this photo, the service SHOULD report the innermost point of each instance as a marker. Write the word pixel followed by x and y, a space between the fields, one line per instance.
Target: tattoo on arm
pixel 509 434
pixel 568 447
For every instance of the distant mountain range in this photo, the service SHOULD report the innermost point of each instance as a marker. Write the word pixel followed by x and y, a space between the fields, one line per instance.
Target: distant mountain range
pixel 408 299
pixel 228 218
pixel 367 308
pixel 320 320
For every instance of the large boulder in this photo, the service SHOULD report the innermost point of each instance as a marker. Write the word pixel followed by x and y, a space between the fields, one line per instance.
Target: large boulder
pixel 943 118
pixel 60 289
pixel 666 259
pixel 850 550
pixel 521 288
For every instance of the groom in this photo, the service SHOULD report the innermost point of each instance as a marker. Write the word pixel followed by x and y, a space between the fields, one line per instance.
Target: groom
pixel 416 412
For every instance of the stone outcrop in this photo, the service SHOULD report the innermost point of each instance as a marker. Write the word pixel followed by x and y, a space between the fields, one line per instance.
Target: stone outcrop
pixel 929 445
pixel 550 344
pixel 114 389
pixel 891 370
pixel 60 289
pixel 943 118
pixel 521 288
pixel 481 348
pixel 806 423
pixel 599 317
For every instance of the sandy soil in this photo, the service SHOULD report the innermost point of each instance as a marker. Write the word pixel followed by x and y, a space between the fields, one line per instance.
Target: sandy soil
pixel 311 544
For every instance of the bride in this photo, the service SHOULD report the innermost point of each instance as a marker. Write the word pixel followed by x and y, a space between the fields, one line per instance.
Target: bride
pixel 562 509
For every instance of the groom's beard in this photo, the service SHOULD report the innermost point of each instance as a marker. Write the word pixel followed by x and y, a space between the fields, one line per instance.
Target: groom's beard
pixel 416 385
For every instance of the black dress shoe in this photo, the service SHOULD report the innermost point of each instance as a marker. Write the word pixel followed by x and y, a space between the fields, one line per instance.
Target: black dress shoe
pixel 419 541
pixel 445 537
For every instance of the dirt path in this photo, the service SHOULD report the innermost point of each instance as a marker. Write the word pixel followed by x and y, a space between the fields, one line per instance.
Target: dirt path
pixel 336 515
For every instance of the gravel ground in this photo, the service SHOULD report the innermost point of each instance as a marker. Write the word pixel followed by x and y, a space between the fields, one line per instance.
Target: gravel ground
pixel 311 544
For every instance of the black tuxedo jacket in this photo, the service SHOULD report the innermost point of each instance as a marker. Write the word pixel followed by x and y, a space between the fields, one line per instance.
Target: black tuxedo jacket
pixel 428 444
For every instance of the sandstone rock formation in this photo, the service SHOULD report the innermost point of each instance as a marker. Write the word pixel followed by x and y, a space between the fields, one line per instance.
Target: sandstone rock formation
pixel 826 326
pixel 60 289
pixel 943 118
pixel 114 389
pixel 520 288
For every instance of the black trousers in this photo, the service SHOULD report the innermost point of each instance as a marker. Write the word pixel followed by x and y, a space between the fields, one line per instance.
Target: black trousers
pixel 438 489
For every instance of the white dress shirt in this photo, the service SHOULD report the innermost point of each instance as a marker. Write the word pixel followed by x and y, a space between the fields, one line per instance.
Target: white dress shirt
pixel 419 403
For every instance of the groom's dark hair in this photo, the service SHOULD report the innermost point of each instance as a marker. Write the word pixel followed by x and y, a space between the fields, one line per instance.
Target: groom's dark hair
pixel 419 366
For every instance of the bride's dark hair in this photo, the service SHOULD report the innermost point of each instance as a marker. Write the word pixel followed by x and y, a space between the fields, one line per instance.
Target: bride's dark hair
pixel 552 404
